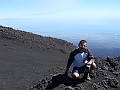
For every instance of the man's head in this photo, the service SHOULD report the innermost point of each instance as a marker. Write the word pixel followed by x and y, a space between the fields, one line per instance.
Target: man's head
pixel 83 44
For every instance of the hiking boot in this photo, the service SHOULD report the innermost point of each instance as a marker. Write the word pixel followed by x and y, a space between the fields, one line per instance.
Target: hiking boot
pixel 88 77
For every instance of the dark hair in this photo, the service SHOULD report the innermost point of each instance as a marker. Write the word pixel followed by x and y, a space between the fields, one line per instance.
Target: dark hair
pixel 81 42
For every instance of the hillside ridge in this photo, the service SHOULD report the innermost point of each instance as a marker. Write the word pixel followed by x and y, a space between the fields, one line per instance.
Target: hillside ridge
pixel 35 40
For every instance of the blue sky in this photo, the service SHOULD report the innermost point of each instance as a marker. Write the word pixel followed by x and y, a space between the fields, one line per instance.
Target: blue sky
pixel 60 9
pixel 63 18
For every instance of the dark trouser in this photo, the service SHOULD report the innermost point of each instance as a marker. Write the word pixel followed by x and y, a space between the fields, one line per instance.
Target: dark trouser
pixel 79 70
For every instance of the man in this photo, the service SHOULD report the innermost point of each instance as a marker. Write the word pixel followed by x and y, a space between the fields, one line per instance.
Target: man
pixel 81 60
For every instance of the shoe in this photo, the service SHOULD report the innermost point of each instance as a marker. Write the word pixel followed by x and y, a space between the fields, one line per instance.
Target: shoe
pixel 88 77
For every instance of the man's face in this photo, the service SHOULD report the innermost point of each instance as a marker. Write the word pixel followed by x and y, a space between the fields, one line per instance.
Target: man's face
pixel 83 46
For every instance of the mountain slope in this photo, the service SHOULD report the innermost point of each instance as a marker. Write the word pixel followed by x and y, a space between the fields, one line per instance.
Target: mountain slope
pixel 30 61
pixel 27 57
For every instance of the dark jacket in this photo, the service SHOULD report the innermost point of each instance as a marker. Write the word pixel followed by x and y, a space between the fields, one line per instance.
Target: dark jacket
pixel 76 51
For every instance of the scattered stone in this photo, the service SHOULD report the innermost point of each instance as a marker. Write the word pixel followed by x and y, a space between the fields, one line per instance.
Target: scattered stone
pixel 116 73
pixel 113 82
pixel 70 88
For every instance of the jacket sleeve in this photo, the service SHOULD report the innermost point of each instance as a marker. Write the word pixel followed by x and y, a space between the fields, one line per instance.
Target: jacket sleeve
pixel 90 56
pixel 70 60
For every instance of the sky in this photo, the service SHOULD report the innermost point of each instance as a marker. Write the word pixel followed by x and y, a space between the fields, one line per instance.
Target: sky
pixel 68 19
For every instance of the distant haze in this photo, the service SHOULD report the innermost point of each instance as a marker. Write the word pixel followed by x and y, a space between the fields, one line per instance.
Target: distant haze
pixel 106 36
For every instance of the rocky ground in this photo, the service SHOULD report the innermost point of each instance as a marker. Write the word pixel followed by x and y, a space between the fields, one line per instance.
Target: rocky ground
pixel 33 62
pixel 105 77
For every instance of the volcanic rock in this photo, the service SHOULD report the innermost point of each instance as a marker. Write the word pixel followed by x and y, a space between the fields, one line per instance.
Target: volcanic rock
pixel 35 62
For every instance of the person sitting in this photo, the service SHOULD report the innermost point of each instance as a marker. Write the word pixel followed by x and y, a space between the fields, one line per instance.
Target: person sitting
pixel 81 60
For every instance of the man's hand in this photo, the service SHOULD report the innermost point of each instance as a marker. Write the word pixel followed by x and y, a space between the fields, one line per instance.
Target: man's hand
pixel 90 62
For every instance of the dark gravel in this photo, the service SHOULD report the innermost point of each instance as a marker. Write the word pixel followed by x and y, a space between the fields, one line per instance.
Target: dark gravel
pixel 34 62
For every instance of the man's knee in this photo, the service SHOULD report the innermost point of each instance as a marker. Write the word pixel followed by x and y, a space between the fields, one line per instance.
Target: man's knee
pixel 75 75
pixel 93 66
